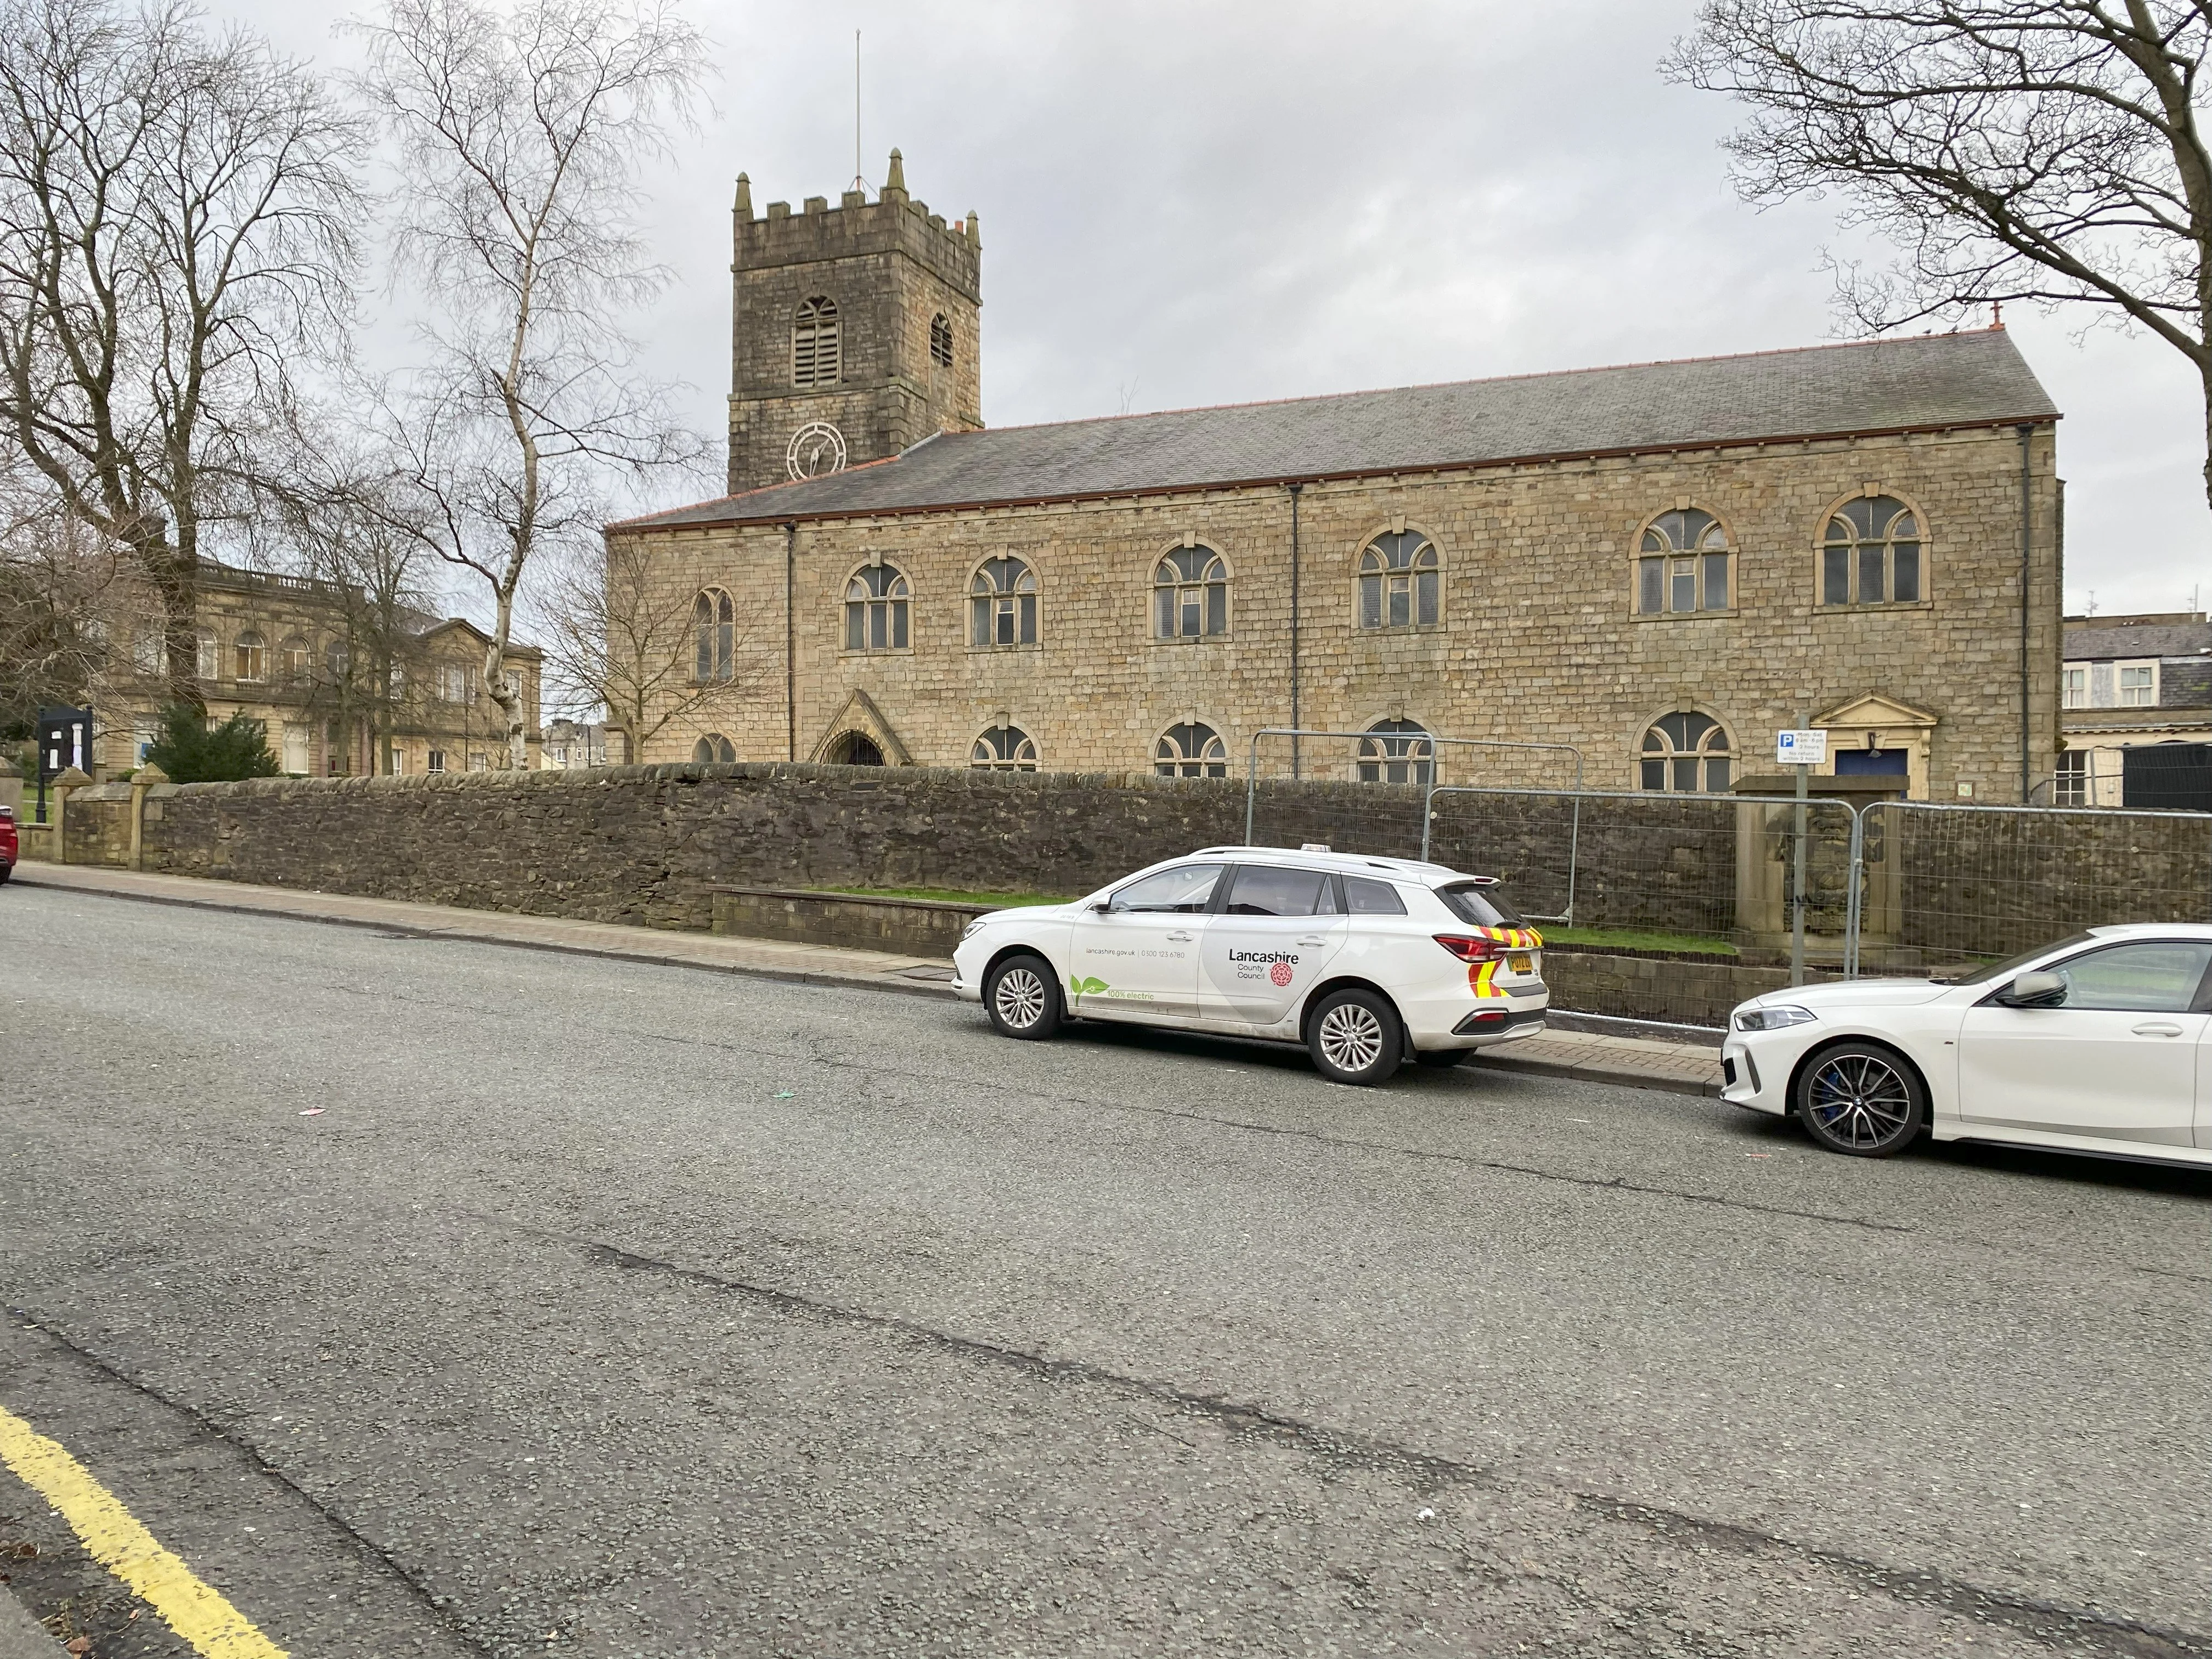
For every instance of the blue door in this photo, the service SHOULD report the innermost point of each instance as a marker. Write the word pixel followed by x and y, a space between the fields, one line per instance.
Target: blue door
pixel 1870 763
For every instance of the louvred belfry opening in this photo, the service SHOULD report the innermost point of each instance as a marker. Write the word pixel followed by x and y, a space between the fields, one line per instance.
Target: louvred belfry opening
pixel 814 353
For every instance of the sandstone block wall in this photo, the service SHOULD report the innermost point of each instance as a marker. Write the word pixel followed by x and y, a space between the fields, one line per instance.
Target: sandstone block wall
pixel 1538 641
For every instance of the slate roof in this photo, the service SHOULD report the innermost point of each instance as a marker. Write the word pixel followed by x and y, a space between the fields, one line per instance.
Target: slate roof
pixel 1924 382
pixel 2094 644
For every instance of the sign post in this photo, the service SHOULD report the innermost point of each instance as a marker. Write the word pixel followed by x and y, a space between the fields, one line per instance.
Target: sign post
pixel 1804 749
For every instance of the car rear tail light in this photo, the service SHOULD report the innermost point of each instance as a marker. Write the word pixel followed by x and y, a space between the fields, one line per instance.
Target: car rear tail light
pixel 1470 950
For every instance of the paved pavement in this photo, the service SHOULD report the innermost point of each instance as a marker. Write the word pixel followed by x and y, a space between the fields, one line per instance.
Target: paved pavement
pixel 1688 1068
pixel 431 1296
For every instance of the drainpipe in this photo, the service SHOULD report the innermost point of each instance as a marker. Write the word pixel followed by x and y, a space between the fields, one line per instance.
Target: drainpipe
pixel 2026 547
pixel 790 645
pixel 1297 489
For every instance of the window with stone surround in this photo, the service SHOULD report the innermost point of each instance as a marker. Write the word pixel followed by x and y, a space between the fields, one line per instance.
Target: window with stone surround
pixel 1871 553
pixel 1003 603
pixel 1396 751
pixel 1687 752
pixel 940 340
pixel 1192 750
pixel 1190 594
pixel 714 628
pixel 1003 748
pixel 876 601
pixel 1683 565
pixel 292 660
pixel 814 342
pixel 715 748
pixel 1401 583
pixel 210 658
pixel 251 655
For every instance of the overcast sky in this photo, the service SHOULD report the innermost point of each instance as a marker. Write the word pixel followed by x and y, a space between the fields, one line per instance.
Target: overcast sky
pixel 1204 202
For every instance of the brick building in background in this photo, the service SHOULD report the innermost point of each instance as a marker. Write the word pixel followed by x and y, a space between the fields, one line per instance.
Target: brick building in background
pixel 1659 565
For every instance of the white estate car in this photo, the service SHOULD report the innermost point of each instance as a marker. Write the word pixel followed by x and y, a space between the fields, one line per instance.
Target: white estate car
pixel 1368 962
pixel 2097 1043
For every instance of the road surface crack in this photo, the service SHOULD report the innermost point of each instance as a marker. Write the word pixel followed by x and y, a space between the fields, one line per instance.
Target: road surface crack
pixel 2073 1628
pixel 416 1588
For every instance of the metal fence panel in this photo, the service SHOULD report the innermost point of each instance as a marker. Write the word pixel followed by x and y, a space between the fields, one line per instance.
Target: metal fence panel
pixel 1656 905
pixel 1950 885
pixel 1366 791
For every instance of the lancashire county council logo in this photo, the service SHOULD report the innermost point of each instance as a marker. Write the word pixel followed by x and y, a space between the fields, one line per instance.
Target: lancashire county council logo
pixel 817 449
pixel 1281 972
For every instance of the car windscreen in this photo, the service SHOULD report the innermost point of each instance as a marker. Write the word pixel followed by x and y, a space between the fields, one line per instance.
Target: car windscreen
pixel 1482 905
pixel 1990 972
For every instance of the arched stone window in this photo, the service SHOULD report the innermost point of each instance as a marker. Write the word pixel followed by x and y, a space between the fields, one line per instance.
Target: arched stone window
pixel 1190 594
pixel 855 748
pixel 714 624
pixel 1396 751
pixel 1003 603
pixel 814 349
pixel 210 665
pixel 715 747
pixel 941 339
pixel 1871 553
pixel 1401 585
pixel 1682 565
pixel 1192 750
pixel 1003 748
pixel 875 609
pixel 338 661
pixel 292 659
pixel 1687 752
pixel 250 656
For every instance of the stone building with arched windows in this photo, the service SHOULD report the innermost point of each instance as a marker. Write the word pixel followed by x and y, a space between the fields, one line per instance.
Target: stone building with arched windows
pixel 1659 565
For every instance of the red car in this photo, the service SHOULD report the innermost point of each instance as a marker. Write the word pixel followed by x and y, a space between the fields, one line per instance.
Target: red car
pixel 7 842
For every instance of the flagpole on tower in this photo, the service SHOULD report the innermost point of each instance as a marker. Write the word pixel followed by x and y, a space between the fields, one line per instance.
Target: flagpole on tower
pixel 858 181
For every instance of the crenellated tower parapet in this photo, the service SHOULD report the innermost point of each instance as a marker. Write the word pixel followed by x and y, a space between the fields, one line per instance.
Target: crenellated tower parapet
pixel 855 330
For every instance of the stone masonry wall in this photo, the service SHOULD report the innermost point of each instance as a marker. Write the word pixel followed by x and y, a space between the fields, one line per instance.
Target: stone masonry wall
pixel 1538 640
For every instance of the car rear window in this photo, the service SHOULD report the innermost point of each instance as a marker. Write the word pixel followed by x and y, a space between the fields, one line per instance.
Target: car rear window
pixel 1481 904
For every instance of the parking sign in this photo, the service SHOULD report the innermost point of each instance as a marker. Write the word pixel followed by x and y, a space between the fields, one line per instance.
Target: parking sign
pixel 1801 748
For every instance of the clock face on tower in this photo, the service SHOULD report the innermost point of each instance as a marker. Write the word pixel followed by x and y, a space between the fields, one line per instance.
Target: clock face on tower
pixel 817 449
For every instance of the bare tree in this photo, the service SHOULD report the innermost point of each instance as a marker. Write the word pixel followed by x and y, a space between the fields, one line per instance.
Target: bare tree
pixel 57 580
pixel 2040 150
pixel 176 214
pixel 520 135
pixel 620 636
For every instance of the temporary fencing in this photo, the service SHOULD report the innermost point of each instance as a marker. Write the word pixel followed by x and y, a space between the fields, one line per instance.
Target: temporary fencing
pixel 1670 906
pixel 1946 884
pixel 1367 790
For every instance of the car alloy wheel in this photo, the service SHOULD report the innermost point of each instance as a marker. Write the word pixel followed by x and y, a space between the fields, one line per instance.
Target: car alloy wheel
pixel 1861 1099
pixel 1355 1037
pixel 1023 997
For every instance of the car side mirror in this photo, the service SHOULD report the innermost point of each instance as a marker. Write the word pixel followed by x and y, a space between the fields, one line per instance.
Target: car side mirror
pixel 1100 907
pixel 2038 990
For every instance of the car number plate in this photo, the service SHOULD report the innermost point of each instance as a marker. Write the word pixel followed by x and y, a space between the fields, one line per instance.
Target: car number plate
pixel 1522 963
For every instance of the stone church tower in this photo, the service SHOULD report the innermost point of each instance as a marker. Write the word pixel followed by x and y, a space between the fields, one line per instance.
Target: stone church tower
pixel 855 333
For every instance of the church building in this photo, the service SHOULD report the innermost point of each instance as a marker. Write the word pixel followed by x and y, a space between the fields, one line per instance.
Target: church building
pixel 1655 566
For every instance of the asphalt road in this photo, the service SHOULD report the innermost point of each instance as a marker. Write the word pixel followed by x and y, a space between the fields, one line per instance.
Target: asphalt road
pixel 619 1310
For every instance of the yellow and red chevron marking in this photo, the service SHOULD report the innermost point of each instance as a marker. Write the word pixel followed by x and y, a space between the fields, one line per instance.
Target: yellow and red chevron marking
pixel 1481 976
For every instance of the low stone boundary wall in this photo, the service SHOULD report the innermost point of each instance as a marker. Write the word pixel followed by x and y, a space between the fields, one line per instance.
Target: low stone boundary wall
pixel 1679 992
pixel 912 927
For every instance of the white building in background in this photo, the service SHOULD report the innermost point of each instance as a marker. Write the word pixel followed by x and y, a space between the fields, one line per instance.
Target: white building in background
pixel 2126 682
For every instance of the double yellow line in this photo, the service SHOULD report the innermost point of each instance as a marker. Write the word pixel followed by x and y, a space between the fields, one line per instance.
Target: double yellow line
pixel 114 1538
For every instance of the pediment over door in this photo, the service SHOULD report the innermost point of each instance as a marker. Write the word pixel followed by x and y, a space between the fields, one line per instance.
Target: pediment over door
pixel 860 717
pixel 1873 711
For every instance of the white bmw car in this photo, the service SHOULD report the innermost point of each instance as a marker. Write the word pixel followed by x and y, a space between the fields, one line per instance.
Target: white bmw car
pixel 2097 1043
pixel 1368 962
